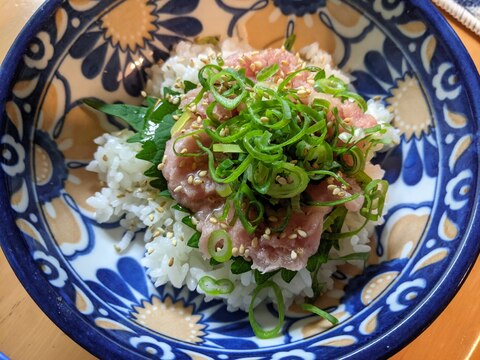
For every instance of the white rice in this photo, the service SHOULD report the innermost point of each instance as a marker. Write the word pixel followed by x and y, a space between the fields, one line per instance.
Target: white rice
pixel 127 196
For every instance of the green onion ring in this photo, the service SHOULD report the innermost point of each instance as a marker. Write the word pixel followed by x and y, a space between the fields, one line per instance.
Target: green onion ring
pixel 256 327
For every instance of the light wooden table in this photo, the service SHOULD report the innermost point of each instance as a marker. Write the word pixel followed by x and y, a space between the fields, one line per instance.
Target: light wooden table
pixel 26 333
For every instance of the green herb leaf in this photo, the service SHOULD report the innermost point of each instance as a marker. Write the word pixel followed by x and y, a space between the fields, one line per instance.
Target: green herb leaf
pixel 240 265
pixel 288 275
pixel 180 208
pixel 133 115
pixel 189 86
pixel 194 240
pixel 262 278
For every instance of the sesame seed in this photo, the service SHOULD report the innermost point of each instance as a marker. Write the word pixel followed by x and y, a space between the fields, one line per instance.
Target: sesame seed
pixel 268 231
pixel 160 209
pixel 266 236
pixel 264 119
pixel 258 64
pixel 300 251
pixel 175 117
pixel 190 179
pixel 241 250
pixel 197 181
pixel 292 236
pixel 247 252
pixel 170 262
pixel 194 220
pixel 235 251
pixel 150 250
pixel 105 158
pixel 342 193
pixel 169 235
pixel 252 67
pixel 119 196
pixel 284 62
pixel 336 191
pixel 178 188
pixel 293 255
pixel 174 242
pixel 272 219
pixel 203 173
pixel 156 234
pixel 184 151
pixel 223 225
pixel 213 220
pixel 255 242
pixel 331 187
pixel 281 180
pixel 151 217
pixel 302 233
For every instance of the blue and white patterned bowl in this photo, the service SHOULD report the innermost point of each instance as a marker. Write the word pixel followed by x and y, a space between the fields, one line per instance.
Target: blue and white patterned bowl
pixel 402 50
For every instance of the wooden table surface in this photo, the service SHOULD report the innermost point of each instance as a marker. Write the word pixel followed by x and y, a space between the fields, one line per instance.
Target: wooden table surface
pixel 26 333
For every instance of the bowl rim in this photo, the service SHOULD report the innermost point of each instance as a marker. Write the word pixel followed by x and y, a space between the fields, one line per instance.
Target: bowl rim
pixel 60 312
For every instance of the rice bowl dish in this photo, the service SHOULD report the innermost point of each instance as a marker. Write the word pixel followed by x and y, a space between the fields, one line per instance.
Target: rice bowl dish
pixel 130 197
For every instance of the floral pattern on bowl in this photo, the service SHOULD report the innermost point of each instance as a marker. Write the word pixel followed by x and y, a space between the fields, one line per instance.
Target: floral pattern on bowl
pixel 393 49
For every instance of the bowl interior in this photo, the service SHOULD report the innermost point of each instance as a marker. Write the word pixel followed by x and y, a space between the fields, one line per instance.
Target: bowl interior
pixel 102 49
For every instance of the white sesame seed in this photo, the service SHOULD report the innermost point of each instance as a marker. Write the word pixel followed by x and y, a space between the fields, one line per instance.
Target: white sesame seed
pixel 241 250
pixel 281 180
pixel 255 242
pixel 190 179
pixel 336 191
pixel 264 119
pixel 235 251
pixel 293 255
pixel 331 187
pixel 203 173
pixel 150 250
pixel 169 234
pixel 178 188
pixel 247 252
pixel 268 231
pixel 174 242
pixel 213 220
pixel 223 226
pixel 302 233
pixel 197 181
pixel 194 220
pixel 170 262
pixel 292 236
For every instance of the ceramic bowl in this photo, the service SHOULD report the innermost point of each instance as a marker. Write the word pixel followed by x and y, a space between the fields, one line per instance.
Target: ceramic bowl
pixel 400 50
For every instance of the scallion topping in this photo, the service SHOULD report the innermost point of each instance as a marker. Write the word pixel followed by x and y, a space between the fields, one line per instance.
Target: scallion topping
pixel 256 327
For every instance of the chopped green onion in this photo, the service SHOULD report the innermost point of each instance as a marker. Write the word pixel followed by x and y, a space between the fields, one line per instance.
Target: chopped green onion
pixel 289 42
pixel 223 253
pixel 317 311
pixel 227 148
pixel 213 287
pixel 267 72
pixel 256 327
pixel 180 123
